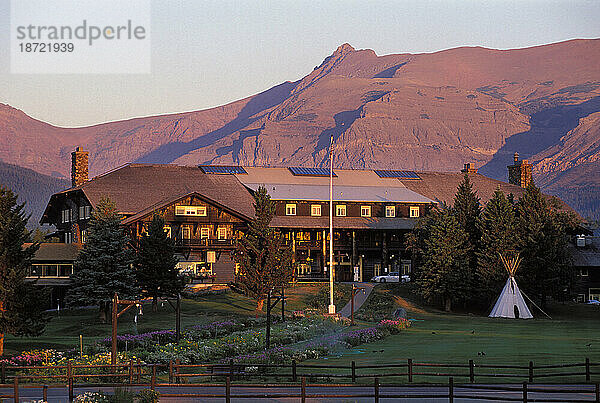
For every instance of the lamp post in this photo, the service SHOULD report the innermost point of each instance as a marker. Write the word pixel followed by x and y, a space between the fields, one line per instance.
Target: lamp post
pixel 115 316
pixel 331 304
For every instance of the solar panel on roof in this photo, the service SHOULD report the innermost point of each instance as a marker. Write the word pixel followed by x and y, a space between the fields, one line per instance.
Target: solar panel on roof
pixel 300 171
pixel 397 174
pixel 222 169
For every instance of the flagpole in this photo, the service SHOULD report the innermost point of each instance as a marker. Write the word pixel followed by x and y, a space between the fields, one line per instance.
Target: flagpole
pixel 331 304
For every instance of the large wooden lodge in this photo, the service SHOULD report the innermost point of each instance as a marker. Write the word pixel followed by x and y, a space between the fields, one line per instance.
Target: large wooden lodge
pixel 207 209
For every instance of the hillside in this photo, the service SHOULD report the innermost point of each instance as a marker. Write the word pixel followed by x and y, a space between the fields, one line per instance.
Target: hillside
pixel 31 187
pixel 430 111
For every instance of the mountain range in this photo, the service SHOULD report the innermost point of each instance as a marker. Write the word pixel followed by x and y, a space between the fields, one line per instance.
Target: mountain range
pixel 430 111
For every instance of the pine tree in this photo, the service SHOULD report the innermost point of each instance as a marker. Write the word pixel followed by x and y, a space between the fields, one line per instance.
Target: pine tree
pixel 265 261
pixel 21 303
pixel 467 210
pixel 543 229
pixel 105 264
pixel 444 251
pixel 497 226
pixel 156 261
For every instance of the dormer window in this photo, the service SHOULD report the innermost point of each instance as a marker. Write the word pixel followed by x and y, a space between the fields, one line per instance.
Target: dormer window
pixel 390 211
pixel 290 209
pixel 191 210
pixel 340 210
pixel 414 212
pixel 365 211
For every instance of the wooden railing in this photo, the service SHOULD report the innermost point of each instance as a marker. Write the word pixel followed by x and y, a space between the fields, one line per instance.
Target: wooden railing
pixel 405 374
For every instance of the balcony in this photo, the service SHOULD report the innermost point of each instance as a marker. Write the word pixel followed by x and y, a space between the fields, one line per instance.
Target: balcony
pixel 208 243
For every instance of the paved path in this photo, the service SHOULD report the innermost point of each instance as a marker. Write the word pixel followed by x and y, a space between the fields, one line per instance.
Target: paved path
pixel 288 393
pixel 359 299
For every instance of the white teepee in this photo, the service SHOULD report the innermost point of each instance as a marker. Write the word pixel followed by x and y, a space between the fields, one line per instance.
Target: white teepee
pixel 510 303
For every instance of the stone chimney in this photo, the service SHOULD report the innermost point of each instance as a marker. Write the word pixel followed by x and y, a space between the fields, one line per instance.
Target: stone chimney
pixel 79 167
pixel 520 173
pixel 469 168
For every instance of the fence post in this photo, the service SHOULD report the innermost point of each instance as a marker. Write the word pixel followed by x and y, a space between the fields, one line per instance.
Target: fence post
pixel 45 393
pixel 130 372
pixel 153 380
pixel 139 371
pixel 524 392
pixel 16 389
pixel 471 371
pixel 530 371
pixel 228 390
pixel 376 386
pixel 597 393
pixel 177 364
pixel 587 370
pixel 303 390
pixel 70 380
pixel 451 390
pixel 410 370
pixel 3 372
pixel 170 371
pixel 353 372
pixel 294 378
pixel 231 368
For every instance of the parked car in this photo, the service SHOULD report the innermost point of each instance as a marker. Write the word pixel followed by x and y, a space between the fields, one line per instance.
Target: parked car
pixel 392 277
pixel 593 302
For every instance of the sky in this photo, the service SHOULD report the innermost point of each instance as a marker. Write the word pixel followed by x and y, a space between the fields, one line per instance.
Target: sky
pixel 209 53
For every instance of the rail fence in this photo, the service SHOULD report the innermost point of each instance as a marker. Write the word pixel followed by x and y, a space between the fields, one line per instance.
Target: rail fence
pixel 296 378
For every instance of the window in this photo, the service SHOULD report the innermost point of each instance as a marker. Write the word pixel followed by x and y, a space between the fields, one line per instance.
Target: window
pixel 66 216
pixel 390 211
pixel 584 272
pixel 186 232
pixel 315 210
pixel 167 230
pixel 221 233
pixel 68 237
pixel 340 210
pixel 190 210
pixel 595 293
pixel 85 212
pixel 204 233
pixel 83 236
pixel 290 209
pixel 414 212
pixel 211 256
pixel 365 211
pixel 65 270
pixel 406 267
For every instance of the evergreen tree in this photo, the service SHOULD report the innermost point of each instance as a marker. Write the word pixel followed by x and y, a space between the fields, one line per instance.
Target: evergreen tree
pixel 543 229
pixel 498 230
pixel 467 209
pixel 21 303
pixel 444 252
pixel 105 264
pixel 265 261
pixel 156 271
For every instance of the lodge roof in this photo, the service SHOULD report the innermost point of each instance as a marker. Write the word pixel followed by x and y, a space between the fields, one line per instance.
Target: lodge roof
pixel 136 187
pixel 588 256
pixel 441 186
pixel 56 252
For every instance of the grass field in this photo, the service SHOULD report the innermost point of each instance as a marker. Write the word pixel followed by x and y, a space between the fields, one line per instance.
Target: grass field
pixel 63 331
pixel 436 336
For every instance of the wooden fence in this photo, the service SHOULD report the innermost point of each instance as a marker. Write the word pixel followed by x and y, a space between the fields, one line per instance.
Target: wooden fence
pixel 366 378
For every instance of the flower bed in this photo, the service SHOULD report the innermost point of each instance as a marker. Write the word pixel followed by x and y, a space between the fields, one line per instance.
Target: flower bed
pixel 371 334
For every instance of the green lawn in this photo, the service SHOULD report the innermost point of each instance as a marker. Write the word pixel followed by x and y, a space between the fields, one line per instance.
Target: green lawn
pixel 455 338
pixel 63 331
